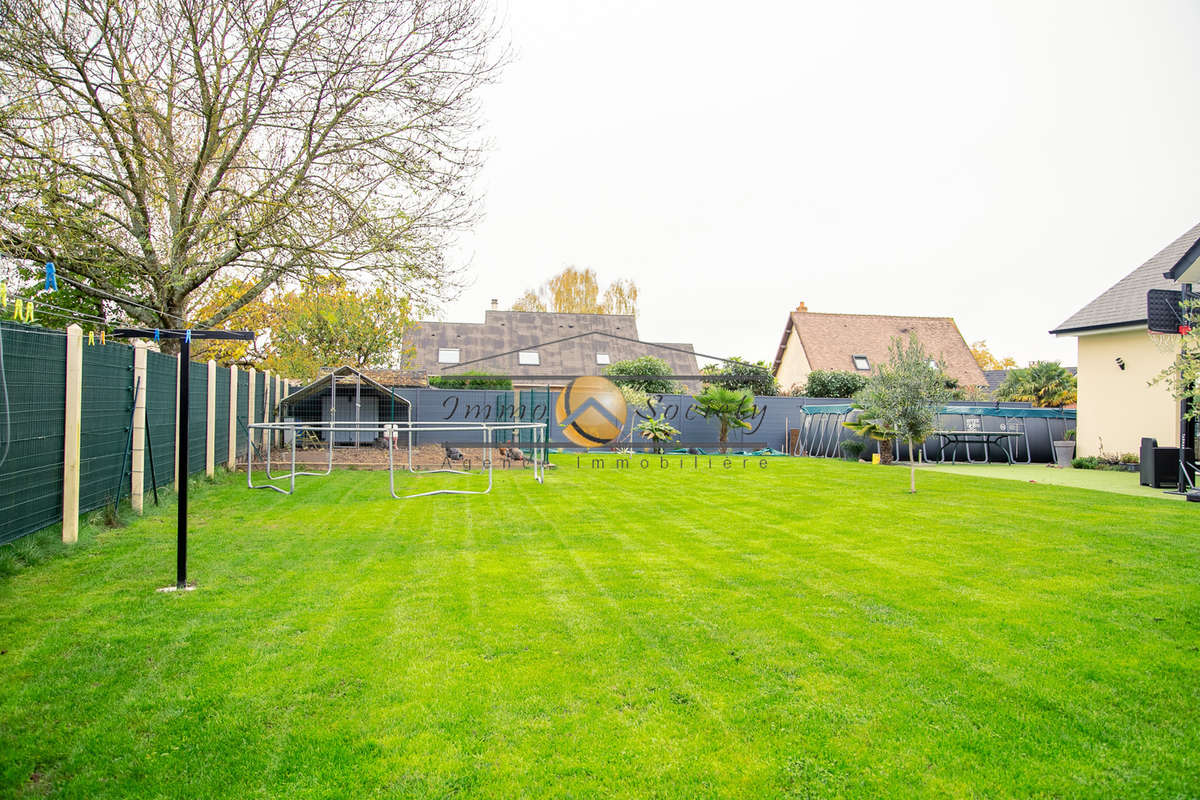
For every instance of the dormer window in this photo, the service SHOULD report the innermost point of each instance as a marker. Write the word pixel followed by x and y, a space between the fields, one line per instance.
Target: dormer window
pixel 529 358
pixel 447 355
pixel 861 363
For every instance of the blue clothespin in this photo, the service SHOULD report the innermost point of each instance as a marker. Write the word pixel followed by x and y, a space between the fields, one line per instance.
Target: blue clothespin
pixel 156 334
pixel 51 281
pixel 187 337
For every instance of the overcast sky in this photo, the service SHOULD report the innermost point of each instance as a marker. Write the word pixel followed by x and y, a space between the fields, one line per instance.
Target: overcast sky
pixel 1001 163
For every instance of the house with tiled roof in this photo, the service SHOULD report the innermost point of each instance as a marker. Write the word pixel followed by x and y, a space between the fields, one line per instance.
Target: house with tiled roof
pixel 1119 359
pixel 538 348
pixel 857 342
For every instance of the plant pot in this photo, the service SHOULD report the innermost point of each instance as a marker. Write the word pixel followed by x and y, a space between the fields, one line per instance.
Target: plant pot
pixel 1063 453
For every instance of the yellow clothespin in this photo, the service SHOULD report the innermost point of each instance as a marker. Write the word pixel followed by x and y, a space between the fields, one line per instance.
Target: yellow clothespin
pixel 91 338
pixel 17 309
pixel 101 336
pixel 3 295
pixel 29 311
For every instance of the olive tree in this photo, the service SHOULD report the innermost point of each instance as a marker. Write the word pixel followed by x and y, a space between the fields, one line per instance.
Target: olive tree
pixel 905 395
pixel 153 149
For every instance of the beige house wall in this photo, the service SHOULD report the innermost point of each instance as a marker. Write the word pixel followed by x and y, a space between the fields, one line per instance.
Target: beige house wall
pixel 794 366
pixel 1118 407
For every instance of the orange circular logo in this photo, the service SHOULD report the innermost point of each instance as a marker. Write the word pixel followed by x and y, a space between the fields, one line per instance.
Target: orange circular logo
pixel 591 411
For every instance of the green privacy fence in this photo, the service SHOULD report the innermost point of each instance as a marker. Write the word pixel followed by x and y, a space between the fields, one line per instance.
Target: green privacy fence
pixel 32 404
pixel 221 440
pixel 160 420
pixel 198 408
pixel 105 423
pixel 34 411
pixel 243 405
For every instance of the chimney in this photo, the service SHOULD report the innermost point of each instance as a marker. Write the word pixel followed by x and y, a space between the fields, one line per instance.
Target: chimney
pixel 495 304
pixel 802 307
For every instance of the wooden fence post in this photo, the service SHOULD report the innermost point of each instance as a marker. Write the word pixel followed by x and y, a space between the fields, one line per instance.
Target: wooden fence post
pixel 250 412
pixel 210 434
pixel 71 432
pixel 233 396
pixel 137 463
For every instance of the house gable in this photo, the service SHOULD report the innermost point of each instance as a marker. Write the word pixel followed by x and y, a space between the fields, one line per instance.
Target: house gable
pixel 833 341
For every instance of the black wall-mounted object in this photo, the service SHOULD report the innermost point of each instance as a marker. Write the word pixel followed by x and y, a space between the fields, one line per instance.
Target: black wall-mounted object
pixel 1165 312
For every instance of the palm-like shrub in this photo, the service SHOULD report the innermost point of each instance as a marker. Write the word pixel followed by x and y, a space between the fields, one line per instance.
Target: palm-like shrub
pixel 1043 384
pixel 731 408
pixel 657 429
pixel 869 427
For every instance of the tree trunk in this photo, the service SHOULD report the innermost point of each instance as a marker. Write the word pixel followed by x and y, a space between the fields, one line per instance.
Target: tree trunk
pixel 912 469
pixel 724 437
pixel 885 451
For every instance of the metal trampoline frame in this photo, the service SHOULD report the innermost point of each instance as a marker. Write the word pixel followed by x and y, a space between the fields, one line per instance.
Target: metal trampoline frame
pixel 388 431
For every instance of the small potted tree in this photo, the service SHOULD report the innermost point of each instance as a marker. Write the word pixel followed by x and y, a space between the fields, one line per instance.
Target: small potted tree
pixel 853 448
pixel 1064 449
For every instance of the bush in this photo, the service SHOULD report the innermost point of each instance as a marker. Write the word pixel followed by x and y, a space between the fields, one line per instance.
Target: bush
pixel 1045 384
pixel 470 380
pixel 833 383
pixel 1085 462
pixel 1130 458
pixel 853 449
pixel 738 373
pixel 656 371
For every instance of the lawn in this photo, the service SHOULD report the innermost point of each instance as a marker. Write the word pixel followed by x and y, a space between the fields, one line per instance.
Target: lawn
pixel 807 629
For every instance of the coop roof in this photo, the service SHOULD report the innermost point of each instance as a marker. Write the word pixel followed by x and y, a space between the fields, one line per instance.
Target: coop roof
pixel 346 375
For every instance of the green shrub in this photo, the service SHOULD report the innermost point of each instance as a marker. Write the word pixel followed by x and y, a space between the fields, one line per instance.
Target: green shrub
pixel 657 374
pixel 853 449
pixel 737 373
pixel 470 380
pixel 833 383
pixel 1130 458
pixel 1085 462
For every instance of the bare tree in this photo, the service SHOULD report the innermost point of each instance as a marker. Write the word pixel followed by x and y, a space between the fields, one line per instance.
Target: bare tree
pixel 154 149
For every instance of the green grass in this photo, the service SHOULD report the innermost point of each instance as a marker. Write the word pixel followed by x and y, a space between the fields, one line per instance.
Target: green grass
pixel 804 630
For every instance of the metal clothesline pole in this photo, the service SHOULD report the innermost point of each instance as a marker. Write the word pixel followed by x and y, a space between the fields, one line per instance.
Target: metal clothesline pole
pixel 182 400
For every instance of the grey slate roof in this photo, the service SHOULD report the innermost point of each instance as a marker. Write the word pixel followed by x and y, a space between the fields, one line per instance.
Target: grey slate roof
pixel 995 377
pixel 1124 303
pixel 505 331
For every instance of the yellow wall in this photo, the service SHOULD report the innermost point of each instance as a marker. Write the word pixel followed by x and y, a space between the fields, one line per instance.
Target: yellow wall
pixel 794 366
pixel 1118 406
